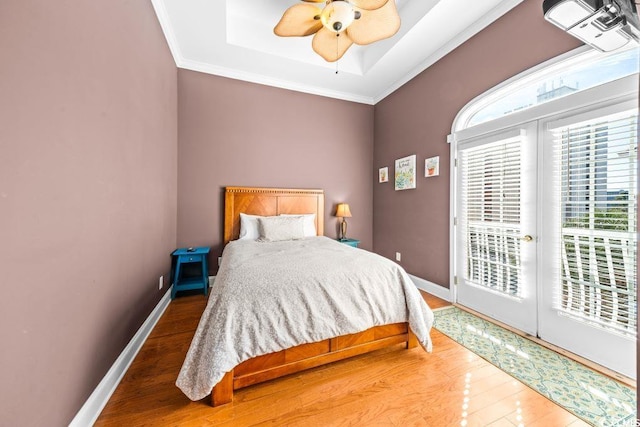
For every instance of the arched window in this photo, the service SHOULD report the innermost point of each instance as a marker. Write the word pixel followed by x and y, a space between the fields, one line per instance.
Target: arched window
pixel 557 78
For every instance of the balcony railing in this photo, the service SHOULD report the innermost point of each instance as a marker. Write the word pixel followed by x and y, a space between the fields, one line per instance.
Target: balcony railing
pixel 598 271
pixel 599 277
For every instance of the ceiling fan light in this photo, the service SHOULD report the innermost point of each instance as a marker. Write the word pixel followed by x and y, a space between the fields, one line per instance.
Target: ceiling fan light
pixel 337 16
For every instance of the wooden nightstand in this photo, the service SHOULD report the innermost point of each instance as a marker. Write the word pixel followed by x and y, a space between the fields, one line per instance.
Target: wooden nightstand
pixel 182 282
pixel 350 242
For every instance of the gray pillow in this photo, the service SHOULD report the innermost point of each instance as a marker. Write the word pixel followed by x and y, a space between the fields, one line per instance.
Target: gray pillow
pixel 276 229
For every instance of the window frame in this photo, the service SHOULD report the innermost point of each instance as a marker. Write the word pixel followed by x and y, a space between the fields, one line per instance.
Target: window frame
pixel 581 55
pixel 547 128
pixel 616 91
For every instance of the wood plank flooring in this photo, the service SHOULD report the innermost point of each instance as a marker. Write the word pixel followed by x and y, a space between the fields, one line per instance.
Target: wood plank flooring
pixel 390 387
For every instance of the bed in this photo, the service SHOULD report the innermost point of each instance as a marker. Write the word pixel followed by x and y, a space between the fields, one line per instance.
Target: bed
pixel 320 308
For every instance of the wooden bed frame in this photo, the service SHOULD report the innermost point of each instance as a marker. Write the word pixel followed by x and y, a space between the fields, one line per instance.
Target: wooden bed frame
pixel 275 201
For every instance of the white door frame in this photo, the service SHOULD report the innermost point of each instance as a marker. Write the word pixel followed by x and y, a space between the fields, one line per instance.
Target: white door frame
pixel 520 310
pixel 554 327
pixel 619 91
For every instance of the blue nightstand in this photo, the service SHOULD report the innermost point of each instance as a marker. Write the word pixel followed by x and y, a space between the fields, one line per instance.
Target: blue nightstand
pixel 186 256
pixel 350 242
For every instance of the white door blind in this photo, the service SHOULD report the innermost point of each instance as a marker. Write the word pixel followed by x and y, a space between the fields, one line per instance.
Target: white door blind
pixel 490 215
pixel 597 164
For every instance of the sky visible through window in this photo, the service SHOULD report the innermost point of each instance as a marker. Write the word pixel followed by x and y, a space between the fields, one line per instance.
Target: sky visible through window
pixel 580 77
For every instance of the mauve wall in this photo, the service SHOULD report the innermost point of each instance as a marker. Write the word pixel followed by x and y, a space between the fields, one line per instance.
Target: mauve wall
pixel 88 144
pixel 237 133
pixel 417 118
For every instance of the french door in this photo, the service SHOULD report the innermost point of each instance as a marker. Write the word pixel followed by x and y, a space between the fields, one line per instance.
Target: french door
pixel 496 227
pixel 588 269
pixel 545 230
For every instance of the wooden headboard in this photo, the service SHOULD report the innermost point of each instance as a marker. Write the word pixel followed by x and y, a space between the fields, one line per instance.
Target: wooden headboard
pixel 267 202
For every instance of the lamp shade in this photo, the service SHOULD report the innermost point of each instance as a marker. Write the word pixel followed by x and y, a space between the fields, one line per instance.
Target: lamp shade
pixel 343 210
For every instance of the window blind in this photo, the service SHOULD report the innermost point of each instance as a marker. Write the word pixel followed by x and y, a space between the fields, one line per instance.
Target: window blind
pixel 490 186
pixel 596 162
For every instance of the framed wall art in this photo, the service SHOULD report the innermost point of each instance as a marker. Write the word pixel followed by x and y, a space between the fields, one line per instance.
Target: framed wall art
pixel 405 177
pixel 383 174
pixel 432 166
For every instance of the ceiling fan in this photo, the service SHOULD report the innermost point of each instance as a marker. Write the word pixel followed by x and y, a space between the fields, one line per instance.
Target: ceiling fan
pixel 340 24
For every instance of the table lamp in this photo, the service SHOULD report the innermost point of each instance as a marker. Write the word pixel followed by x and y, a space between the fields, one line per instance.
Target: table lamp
pixel 343 212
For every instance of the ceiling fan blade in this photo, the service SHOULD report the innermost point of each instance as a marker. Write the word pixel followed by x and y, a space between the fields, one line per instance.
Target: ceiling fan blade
pixel 331 46
pixel 298 21
pixel 375 25
pixel 368 4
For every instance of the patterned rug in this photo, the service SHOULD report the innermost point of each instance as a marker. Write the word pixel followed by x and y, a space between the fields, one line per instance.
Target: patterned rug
pixel 595 398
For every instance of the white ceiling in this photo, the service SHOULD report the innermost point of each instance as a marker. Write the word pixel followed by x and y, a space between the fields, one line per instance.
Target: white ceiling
pixel 234 38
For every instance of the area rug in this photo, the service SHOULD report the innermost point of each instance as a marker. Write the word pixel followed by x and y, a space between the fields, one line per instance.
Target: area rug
pixel 591 396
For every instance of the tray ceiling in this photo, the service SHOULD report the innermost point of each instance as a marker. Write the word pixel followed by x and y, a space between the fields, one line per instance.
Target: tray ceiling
pixel 234 38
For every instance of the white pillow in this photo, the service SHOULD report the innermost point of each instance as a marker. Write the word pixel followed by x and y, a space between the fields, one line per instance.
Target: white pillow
pixel 277 229
pixel 309 223
pixel 249 227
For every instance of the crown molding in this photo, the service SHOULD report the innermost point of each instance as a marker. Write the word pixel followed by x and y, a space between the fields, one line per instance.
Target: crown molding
pixel 270 81
pixel 167 29
pixel 252 77
pixel 479 25
pixel 181 62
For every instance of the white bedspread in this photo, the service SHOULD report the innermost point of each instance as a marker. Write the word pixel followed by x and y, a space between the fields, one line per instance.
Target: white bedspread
pixel 271 296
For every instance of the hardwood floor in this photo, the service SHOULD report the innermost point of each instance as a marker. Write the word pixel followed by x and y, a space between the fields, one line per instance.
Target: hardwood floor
pixel 390 387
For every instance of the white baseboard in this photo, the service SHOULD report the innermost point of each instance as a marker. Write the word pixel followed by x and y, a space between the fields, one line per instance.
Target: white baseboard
pixel 92 408
pixel 432 288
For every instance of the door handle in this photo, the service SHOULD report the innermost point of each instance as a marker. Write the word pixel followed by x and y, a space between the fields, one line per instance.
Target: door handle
pixel 527 238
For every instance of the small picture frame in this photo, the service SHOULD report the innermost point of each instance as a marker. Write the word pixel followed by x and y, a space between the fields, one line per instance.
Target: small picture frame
pixel 432 167
pixel 405 177
pixel 383 174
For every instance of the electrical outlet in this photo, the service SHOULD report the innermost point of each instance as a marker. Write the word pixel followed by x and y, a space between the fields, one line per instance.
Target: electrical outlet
pixel 398 256
pixel 160 282
pixel 219 261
